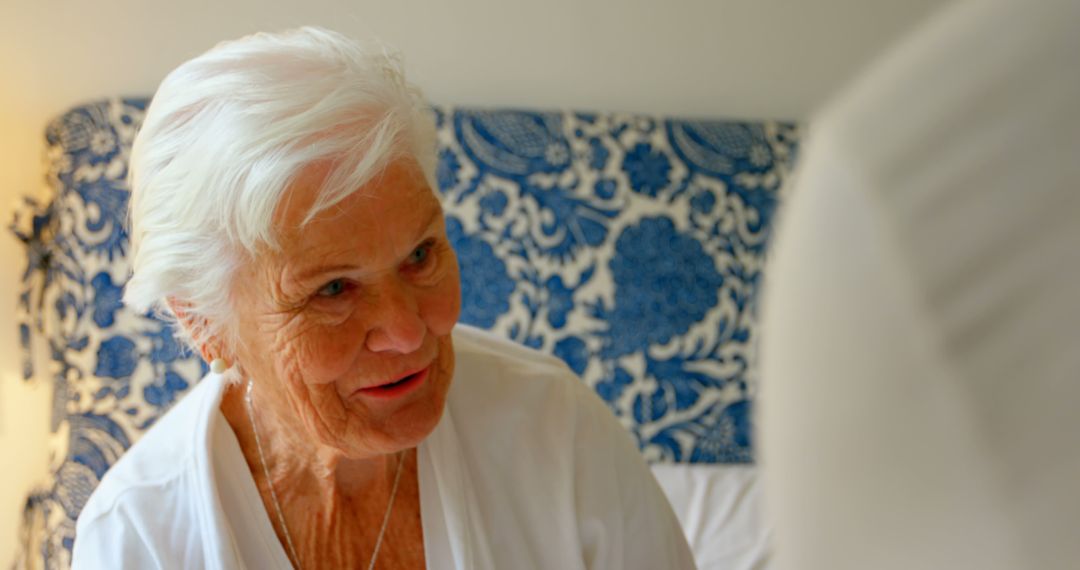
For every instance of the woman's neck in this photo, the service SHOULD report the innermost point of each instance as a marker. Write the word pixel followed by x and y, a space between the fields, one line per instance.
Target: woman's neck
pixel 300 468
pixel 335 508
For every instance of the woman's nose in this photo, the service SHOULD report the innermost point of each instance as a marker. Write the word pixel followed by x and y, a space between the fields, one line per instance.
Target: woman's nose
pixel 397 325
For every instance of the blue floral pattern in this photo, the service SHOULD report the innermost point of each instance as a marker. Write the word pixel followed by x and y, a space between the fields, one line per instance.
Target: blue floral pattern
pixel 637 262
pixel 664 283
pixel 647 170
pixel 630 247
pixel 485 284
pixel 106 299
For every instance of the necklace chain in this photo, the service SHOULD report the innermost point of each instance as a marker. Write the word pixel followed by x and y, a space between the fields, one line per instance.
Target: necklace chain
pixel 277 504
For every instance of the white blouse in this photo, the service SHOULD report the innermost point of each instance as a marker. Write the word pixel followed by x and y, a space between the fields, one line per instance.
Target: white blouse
pixel 526 469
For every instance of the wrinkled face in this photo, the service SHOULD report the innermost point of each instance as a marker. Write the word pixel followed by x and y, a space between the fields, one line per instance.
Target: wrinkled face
pixel 346 331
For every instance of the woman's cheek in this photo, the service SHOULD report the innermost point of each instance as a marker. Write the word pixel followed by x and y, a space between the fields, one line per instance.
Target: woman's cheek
pixel 324 354
pixel 442 306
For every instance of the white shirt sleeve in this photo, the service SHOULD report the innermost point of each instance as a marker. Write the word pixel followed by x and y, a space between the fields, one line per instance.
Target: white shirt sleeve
pixel 113 541
pixel 624 518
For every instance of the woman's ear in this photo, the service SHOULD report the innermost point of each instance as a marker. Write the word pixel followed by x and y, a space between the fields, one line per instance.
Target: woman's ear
pixel 190 323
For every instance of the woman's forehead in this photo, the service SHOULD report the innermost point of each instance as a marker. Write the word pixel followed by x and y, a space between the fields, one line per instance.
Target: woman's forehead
pixel 397 189
pixel 388 213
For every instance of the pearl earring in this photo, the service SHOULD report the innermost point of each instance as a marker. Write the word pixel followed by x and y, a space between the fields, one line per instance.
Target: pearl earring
pixel 218 365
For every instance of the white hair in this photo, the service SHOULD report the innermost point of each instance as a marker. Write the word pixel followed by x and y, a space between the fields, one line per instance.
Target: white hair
pixel 225 136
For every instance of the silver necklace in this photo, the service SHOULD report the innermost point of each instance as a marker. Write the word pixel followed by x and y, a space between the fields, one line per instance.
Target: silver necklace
pixel 277 504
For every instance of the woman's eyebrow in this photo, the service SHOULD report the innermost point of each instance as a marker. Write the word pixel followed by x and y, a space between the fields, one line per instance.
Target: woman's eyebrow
pixel 311 273
pixel 436 213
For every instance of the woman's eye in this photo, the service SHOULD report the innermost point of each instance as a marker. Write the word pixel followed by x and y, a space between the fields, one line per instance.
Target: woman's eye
pixel 333 288
pixel 420 254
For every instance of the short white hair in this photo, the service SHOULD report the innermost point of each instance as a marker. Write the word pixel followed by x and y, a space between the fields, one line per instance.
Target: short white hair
pixel 225 136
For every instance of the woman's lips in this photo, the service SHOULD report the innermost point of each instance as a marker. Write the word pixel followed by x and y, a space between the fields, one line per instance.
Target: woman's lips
pixel 399 388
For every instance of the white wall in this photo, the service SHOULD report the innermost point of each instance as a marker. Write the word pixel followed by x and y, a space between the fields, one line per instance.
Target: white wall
pixel 735 58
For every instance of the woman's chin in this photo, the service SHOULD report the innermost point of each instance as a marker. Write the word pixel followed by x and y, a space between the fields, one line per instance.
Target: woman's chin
pixel 405 428
pixel 413 426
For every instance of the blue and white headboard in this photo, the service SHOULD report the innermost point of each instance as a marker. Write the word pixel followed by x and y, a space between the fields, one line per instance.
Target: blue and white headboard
pixel 631 247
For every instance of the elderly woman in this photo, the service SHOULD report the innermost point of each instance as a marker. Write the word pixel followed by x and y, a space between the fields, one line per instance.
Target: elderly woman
pixel 282 212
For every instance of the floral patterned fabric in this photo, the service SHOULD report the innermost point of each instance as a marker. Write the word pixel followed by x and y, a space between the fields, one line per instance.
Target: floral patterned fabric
pixel 631 247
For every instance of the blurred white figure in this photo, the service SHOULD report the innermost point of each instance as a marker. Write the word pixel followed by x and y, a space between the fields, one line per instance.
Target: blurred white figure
pixel 920 403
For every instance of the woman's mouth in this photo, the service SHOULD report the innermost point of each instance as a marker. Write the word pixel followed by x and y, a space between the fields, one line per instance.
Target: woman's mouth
pixel 398 388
